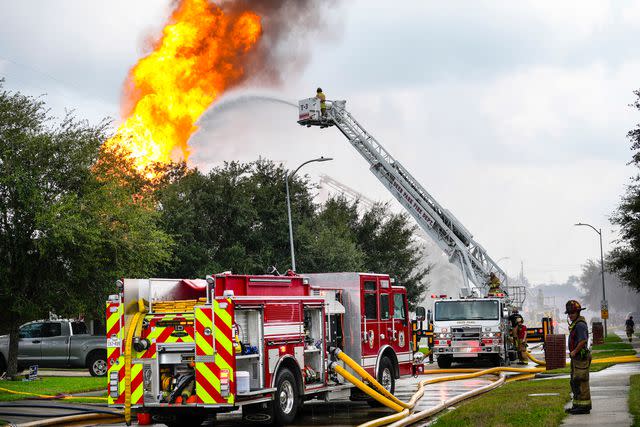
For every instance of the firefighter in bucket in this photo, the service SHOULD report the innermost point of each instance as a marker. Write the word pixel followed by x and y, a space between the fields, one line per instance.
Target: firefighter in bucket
pixel 580 359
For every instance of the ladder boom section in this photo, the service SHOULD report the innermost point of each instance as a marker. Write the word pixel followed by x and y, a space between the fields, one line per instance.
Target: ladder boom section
pixel 440 224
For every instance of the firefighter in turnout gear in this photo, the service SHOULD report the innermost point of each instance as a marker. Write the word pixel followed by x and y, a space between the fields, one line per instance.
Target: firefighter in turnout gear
pixel 520 336
pixel 494 285
pixel 580 359
pixel 323 101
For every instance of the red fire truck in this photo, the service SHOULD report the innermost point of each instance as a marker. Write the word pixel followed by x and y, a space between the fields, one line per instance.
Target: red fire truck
pixel 181 350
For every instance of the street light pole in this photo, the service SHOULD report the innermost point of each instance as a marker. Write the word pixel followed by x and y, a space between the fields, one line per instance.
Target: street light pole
pixel 604 295
pixel 286 181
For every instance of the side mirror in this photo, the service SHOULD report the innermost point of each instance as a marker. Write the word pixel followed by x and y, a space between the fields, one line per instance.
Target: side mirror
pixel 420 313
pixel 505 313
pixel 429 316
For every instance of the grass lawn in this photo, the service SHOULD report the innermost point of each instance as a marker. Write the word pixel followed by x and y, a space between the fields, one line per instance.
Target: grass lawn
pixel 511 405
pixel 567 370
pixel 612 338
pixel 634 400
pixel 51 386
pixel 612 353
pixel 613 346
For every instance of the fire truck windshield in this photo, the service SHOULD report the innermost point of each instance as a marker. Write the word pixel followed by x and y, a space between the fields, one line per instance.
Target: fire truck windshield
pixel 466 310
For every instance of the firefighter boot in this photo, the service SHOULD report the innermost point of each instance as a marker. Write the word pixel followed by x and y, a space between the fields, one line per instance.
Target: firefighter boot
pixel 577 410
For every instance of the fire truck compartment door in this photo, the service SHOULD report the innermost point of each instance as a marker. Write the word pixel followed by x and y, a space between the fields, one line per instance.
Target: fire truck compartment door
pixel 334 307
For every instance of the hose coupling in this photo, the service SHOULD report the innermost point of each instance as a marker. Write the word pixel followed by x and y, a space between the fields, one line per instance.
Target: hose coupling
pixel 141 344
pixel 334 352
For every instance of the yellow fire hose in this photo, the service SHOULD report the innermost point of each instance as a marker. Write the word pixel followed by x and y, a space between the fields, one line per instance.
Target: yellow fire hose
pixel 429 412
pixel 405 417
pixel 366 376
pixel 134 326
pixel 383 396
pixel 362 386
pixel 520 377
pixel 536 361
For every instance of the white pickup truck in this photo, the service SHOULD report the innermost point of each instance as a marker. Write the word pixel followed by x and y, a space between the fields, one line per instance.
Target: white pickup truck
pixel 61 343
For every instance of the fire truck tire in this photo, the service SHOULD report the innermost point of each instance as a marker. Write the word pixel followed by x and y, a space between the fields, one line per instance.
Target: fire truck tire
pixel 444 362
pixel 386 377
pixel 97 364
pixel 286 400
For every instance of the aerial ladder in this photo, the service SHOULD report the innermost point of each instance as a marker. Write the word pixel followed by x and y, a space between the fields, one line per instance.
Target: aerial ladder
pixel 440 224
pixel 346 191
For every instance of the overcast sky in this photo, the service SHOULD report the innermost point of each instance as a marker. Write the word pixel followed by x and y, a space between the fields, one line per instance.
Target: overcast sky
pixel 513 115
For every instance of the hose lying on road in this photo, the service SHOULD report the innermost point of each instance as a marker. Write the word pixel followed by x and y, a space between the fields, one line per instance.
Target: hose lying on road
pixel 429 412
pixel 52 397
pixel 376 391
pixel 74 419
pixel 617 359
pixel 44 415
pixel 67 407
pixel 366 376
pixel 536 361
pixel 405 417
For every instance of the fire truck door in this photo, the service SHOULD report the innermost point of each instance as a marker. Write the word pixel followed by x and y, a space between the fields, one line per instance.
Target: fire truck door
pixel 401 339
pixel 370 331
pixel 386 322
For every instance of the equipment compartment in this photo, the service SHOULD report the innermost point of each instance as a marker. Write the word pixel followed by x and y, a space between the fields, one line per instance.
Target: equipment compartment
pixel 313 371
pixel 247 345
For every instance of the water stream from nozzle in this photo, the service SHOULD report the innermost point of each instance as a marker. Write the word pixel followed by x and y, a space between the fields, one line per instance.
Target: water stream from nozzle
pixel 239 101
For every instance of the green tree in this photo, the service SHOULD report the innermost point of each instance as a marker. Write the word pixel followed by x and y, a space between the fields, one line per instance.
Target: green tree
pixel 235 218
pixel 330 241
pixel 66 230
pixel 625 257
pixel 621 298
pixel 388 242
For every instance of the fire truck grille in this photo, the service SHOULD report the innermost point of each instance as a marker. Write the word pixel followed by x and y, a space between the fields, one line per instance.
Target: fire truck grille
pixel 466 333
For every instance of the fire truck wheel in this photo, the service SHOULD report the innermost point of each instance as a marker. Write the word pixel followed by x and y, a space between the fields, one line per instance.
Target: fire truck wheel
pixel 386 377
pixel 97 364
pixel 444 362
pixel 286 400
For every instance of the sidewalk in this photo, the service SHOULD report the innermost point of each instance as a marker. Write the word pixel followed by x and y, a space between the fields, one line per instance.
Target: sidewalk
pixel 609 396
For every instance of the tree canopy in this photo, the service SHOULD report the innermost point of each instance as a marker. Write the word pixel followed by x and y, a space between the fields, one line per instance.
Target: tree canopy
pixel 625 257
pixel 67 230
pixel 235 218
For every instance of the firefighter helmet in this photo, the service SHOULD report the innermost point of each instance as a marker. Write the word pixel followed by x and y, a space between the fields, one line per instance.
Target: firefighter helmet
pixel 573 306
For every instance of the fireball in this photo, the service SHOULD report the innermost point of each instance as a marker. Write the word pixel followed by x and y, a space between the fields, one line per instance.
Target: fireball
pixel 200 54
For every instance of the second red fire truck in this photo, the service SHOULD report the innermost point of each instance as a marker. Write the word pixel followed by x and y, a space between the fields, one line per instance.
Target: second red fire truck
pixel 180 349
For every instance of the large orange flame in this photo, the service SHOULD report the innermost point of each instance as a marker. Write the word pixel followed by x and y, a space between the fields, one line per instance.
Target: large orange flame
pixel 199 55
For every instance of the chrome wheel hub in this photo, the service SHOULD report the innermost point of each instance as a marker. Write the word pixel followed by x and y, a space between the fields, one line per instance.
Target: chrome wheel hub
pixel 386 379
pixel 286 397
pixel 100 367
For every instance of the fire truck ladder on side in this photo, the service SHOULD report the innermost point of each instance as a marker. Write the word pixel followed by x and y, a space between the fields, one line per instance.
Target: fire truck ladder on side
pixel 440 224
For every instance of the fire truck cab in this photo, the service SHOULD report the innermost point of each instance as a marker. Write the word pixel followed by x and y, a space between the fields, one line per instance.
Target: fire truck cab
pixel 183 349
